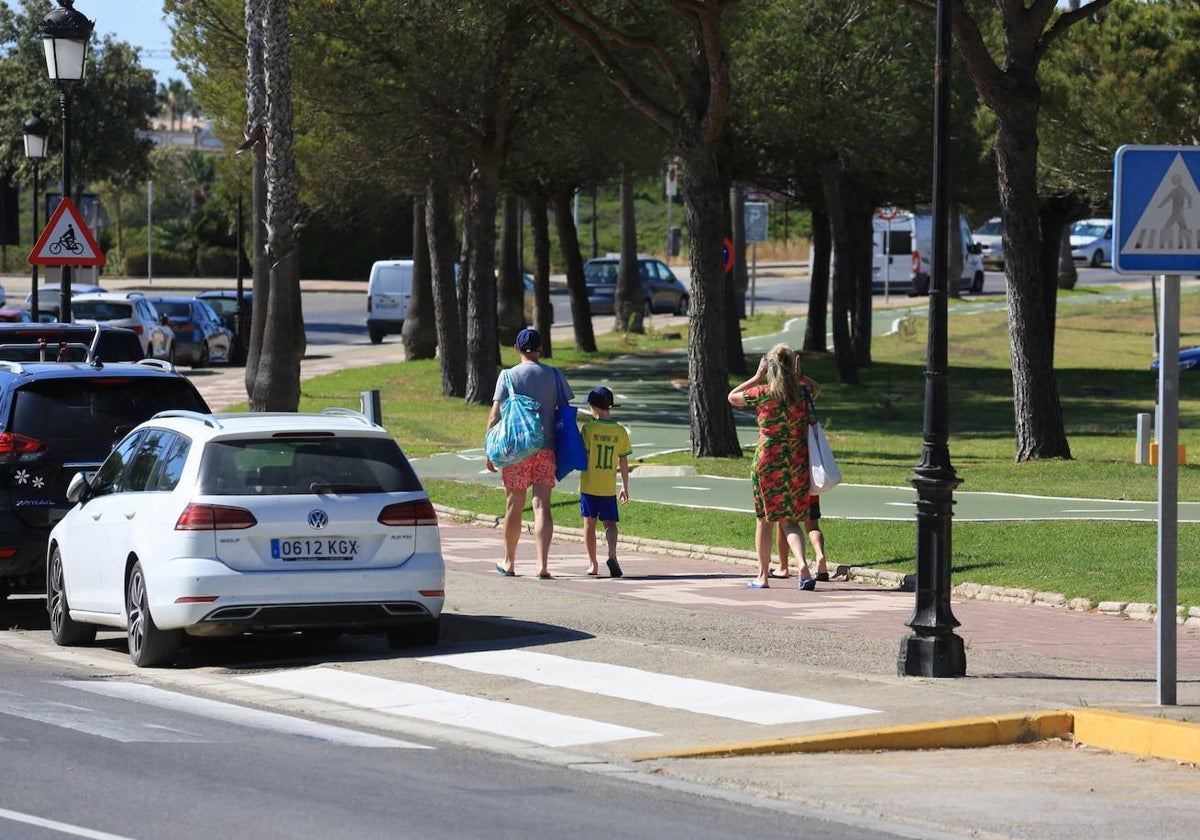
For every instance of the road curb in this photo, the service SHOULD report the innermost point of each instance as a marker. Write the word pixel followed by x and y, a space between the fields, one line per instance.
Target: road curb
pixel 1115 731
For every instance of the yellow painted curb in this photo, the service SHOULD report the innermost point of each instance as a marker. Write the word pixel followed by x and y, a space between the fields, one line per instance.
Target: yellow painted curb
pixel 1138 735
pixel 967 732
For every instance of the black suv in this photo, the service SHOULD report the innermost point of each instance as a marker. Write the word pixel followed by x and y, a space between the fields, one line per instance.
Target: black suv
pixel 57 419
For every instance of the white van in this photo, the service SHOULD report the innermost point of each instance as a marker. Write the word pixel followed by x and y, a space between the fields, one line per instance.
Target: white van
pixel 903 255
pixel 389 288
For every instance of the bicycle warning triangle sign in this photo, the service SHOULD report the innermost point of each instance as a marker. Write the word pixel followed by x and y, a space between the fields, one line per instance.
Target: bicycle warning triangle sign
pixel 66 240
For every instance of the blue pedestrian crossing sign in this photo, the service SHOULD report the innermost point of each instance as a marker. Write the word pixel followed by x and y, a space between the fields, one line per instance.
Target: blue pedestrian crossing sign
pixel 1156 210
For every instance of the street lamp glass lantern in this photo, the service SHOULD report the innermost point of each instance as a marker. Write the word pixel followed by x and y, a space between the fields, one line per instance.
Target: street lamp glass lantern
pixel 65 35
pixel 36 132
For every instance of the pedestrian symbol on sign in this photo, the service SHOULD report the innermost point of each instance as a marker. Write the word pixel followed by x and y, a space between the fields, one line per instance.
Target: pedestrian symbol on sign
pixel 1170 224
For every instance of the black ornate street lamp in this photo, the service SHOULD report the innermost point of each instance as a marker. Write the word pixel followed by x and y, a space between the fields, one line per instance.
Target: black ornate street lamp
pixel 933 649
pixel 36 132
pixel 65 35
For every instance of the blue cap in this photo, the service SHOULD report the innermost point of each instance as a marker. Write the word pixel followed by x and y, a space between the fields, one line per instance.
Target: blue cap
pixel 529 340
pixel 600 397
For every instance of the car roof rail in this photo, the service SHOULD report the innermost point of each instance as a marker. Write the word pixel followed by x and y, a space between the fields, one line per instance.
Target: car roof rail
pixel 206 419
pixel 13 367
pixel 339 411
pixel 158 364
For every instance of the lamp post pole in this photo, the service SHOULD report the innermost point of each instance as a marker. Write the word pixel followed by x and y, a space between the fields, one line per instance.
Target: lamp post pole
pixel 65 35
pixel 933 649
pixel 35 134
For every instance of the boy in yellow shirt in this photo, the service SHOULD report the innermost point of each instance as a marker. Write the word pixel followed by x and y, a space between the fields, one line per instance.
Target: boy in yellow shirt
pixel 608 448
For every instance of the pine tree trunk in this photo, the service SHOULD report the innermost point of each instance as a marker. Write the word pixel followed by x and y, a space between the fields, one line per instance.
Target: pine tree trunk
pixel 543 309
pixel 439 228
pixel 629 299
pixel 714 434
pixel 1038 412
pixel 480 225
pixel 568 241
pixel 510 288
pixel 419 333
pixel 816 325
pixel 256 117
pixel 277 386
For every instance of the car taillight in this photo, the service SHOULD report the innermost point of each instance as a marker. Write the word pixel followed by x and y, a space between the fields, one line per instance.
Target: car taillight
pixel 199 517
pixel 137 328
pixel 13 445
pixel 916 263
pixel 409 514
pixel 368 304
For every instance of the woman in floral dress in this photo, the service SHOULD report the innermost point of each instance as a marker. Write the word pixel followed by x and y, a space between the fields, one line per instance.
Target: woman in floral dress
pixel 780 478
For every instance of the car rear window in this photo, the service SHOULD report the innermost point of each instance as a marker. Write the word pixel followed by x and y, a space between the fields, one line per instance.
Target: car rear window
pixel 101 310
pixel 295 466
pixel 81 418
pixel 600 272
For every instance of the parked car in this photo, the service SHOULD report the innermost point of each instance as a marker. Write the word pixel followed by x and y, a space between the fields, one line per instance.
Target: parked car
pixel 48 298
pixel 68 343
pixel 225 303
pixel 990 238
pixel 199 335
pixel 247 522
pixel 389 287
pixel 14 316
pixel 57 418
pixel 1091 241
pixel 1189 359
pixel 661 289
pixel 903 255
pixel 131 310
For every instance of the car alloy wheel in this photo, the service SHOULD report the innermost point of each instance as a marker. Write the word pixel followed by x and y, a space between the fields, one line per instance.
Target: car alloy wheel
pixel 149 647
pixel 65 631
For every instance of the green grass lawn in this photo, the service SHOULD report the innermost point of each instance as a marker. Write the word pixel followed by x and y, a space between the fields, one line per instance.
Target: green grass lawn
pixel 1102 355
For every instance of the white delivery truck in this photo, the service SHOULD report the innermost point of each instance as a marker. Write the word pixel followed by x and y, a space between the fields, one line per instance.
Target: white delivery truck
pixel 903 254
pixel 389 288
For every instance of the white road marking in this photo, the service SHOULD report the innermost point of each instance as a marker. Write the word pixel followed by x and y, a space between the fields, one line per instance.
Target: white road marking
pixel 670 692
pixel 60 827
pixel 90 722
pixel 687 487
pixel 1105 510
pixel 410 700
pixel 239 715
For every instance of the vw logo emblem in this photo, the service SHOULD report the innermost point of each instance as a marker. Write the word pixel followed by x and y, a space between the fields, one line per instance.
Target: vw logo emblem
pixel 318 519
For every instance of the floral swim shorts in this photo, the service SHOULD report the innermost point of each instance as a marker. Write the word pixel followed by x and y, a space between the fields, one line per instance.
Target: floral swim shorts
pixel 538 468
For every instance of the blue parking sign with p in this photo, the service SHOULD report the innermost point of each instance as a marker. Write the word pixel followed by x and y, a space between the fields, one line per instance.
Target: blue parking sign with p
pixel 1156 210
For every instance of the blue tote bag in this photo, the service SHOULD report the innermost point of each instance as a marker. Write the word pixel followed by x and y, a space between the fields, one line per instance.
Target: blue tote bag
pixel 569 452
pixel 518 434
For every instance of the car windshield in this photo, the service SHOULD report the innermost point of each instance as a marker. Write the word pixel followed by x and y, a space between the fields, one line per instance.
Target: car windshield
pixel 602 272
pixel 992 228
pixel 100 310
pixel 1091 229
pixel 296 466
pixel 227 306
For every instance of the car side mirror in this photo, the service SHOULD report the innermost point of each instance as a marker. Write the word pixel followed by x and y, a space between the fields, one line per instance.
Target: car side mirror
pixel 163 319
pixel 78 489
pixel 974 248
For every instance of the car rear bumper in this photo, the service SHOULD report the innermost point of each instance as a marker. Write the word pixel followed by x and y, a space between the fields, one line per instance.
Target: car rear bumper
pixel 389 325
pixel 293 599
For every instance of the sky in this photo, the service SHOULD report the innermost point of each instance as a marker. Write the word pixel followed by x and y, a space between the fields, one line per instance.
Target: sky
pixel 138 22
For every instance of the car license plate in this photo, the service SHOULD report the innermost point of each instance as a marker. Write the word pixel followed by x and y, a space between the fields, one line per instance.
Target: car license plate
pixel 314 548
pixel 389 301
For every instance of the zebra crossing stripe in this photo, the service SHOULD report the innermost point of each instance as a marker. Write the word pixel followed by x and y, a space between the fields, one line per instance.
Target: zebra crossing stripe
pixel 419 702
pixel 670 692
pixel 240 715
pixel 89 722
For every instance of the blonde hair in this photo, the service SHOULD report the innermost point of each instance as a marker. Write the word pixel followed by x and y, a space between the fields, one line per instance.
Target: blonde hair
pixel 783 374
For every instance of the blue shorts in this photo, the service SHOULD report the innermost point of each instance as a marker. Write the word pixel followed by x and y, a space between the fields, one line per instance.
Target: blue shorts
pixel 603 508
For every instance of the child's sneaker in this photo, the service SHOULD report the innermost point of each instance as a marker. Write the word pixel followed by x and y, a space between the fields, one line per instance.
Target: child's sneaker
pixel 614 568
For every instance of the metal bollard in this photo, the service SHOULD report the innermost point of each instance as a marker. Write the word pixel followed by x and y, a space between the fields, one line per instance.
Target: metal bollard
pixel 372 406
pixel 1142 455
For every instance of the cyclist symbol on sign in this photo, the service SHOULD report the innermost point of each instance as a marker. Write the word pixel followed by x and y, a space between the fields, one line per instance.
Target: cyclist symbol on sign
pixel 67 242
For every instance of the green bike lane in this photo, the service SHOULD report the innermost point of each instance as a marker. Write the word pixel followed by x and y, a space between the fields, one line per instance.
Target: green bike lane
pixel 651 400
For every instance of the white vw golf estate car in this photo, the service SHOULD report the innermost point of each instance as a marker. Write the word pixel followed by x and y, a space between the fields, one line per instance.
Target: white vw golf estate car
pixel 215 525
